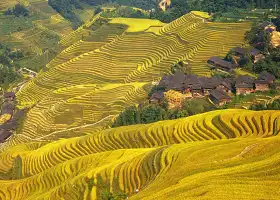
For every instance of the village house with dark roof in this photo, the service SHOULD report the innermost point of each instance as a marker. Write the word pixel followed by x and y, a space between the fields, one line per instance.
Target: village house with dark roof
pixel 209 84
pixel 244 85
pixel 218 63
pixel 4 134
pixel 264 80
pixel 253 53
pixel 217 89
pixel 9 96
pixel 268 26
pixel 157 97
pixel 219 97
pixel 226 86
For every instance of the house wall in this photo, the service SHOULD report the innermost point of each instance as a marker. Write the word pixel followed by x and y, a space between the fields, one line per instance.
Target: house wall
pixel 224 101
pixel 270 27
pixel 220 102
pixel 258 57
pixel 244 91
pixel 262 87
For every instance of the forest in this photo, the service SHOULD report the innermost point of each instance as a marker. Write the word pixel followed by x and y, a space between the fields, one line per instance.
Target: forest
pixel 177 8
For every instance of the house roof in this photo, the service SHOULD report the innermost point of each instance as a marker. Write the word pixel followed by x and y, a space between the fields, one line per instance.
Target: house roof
pixel 4 135
pixel 227 84
pixel 245 79
pixel 259 81
pixel 7 108
pixel 210 83
pixel 240 50
pixel 219 94
pixel 266 23
pixel 191 81
pixel 244 85
pixel 270 30
pixel 9 94
pixel 266 76
pixel 157 95
pixel 244 51
pixel 254 51
pixel 221 62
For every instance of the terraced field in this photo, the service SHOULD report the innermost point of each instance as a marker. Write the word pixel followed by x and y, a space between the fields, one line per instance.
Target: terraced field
pixel 217 155
pixel 108 68
pixel 37 34
pixel 65 148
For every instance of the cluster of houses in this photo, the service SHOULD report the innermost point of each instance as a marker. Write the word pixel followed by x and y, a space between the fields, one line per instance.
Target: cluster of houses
pixel 179 87
pixel 8 107
pixel 255 55
pixel 238 53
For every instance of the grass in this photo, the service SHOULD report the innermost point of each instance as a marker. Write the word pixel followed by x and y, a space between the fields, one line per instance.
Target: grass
pixel 242 72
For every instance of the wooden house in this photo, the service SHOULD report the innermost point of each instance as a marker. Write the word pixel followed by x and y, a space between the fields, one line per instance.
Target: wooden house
pixel 219 97
pixel 268 26
pixel 226 86
pixel 264 80
pixel 4 135
pixel 253 53
pixel 256 55
pixel 218 63
pixel 209 84
pixel 244 85
pixel 157 97
pixel 9 96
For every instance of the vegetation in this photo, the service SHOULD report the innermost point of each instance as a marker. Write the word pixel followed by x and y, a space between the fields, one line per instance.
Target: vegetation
pixel 74 90
pixel 64 149
pixel 8 68
pixel 150 113
pixel 18 10
pixel 261 40
pixel 275 105
pixel 65 8
pixel 177 8
pixel 123 11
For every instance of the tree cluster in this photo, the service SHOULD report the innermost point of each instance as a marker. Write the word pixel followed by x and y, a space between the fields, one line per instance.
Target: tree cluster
pixel 176 9
pixel 66 9
pixel 261 40
pixel 8 69
pixel 275 105
pixel 150 113
pixel 126 12
pixel 18 10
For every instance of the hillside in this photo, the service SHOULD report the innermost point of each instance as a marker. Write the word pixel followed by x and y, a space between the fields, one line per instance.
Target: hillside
pixel 65 148
pixel 217 155
pixel 103 71
pixel 37 34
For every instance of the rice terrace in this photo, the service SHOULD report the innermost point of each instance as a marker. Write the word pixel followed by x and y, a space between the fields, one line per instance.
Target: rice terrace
pixel 139 100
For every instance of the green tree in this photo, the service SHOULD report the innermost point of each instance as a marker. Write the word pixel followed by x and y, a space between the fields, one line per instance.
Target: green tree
pixel 152 113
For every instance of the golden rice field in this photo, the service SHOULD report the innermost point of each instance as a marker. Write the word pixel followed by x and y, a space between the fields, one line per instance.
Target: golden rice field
pixel 226 154
pixel 101 73
pixel 65 148
pixel 37 33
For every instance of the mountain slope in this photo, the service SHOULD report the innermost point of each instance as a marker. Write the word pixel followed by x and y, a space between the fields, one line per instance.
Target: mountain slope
pixel 207 156
pixel 108 69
